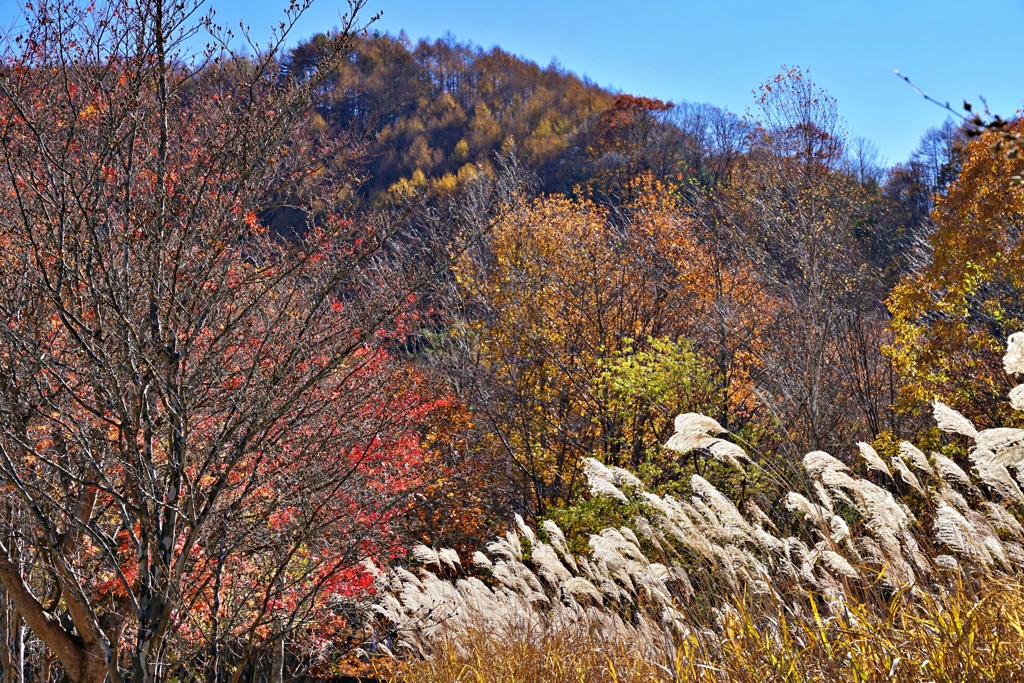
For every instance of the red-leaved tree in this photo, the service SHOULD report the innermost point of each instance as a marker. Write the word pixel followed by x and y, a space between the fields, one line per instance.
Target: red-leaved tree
pixel 202 434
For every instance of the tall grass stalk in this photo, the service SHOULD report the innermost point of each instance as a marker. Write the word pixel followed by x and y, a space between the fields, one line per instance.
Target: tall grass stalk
pixel 857 588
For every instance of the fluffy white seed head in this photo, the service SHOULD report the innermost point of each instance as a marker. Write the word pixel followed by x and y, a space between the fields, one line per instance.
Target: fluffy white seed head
pixel 823 496
pixel 839 528
pixel 601 480
pixel 905 474
pixel 370 568
pixel 508 547
pixel 595 469
pixel 949 470
pixel 548 565
pixel 916 457
pixel 950 496
pixel 579 587
pixel 1013 361
pixel 481 560
pixel 449 557
pixel 626 478
pixel 871 457
pixel 954 531
pixel 759 515
pixel 949 420
pixel 525 530
pixel 557 539
pixel 1003 445
pixel 799 503
pixel 1017 397
pixel 838 564
pixel 729 453
pixel 604 489
pixel 999 478
pixel 722 508
pixel 694 431
pixel 697 423
pixel 425 555
pixel 1002 519
pixel 819 463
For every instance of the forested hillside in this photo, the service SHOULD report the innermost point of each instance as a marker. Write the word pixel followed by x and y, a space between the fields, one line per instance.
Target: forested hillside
pixel 761 248
pixel 292 336
pixel 446 106
pixel 435 110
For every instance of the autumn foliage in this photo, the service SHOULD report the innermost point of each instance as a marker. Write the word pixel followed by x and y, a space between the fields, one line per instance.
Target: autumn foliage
pixel 572 307
pixel 204 430
pixel 290 333
pixel 953 316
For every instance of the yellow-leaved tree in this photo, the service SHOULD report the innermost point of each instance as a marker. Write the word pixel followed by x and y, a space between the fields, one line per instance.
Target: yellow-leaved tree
pixel 951 319
pixel 579 317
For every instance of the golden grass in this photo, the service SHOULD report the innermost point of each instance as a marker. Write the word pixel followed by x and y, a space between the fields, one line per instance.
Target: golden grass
pixel 561 655
pixel 961 634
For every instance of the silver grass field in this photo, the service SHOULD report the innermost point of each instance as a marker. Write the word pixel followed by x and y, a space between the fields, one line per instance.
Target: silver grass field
pixel 701 590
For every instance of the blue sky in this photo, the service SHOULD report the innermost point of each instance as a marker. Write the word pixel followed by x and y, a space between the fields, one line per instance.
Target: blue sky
pixel 718 51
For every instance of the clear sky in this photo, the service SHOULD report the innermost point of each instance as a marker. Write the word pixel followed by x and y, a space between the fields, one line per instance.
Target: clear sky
pixel 718 51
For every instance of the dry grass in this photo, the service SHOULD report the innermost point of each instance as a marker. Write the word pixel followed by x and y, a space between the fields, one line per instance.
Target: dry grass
pixel 963 634
pixel 959 635
pixel 556 655
pixel 858 587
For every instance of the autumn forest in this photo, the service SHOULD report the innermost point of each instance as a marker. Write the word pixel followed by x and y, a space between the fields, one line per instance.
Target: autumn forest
pixel 363 358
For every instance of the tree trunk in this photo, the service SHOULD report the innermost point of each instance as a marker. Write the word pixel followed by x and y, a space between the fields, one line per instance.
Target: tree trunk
pixel 277 662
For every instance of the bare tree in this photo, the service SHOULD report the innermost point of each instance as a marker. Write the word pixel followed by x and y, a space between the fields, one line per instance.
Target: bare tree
pixel 797 210
pixel 198 440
